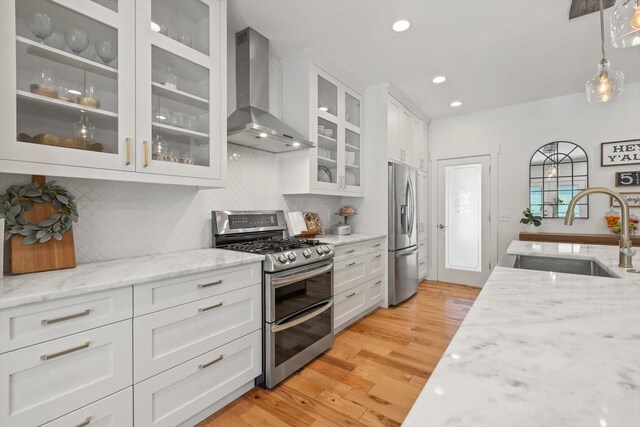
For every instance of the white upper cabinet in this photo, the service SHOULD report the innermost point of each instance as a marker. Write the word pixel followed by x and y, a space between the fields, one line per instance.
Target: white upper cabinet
pixel 114 89
pixel 321 106
pixel 406 134
pixel 424 147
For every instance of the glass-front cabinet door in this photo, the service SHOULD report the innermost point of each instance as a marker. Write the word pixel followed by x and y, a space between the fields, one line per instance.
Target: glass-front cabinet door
pixel 72 82
pixel 337 121
pixel 352 154
pixel 178 87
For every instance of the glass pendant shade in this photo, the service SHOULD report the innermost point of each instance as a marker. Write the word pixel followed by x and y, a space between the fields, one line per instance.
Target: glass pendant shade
pixel 605 85
pixel 625 24
pixel 83 129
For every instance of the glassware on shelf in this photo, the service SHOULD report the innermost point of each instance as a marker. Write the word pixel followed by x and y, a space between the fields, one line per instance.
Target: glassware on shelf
pixel 83 129
pixel 171 79
pixel 191 122
pixel 55 40
pixel 106 50
pixel 174 156
pixel 160 115
pixel 64 95
pixel 77 40
pixel 44 84
pixel 159 149
pixel 90 53
pixel 176 119
pixel 187 158
pixel 40 25
pixel 89 99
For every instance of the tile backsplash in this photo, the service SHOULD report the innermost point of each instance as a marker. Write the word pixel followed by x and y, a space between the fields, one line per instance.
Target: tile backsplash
pixel 124 219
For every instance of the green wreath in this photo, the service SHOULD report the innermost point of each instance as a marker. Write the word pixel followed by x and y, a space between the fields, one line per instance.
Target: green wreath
pixel 13 206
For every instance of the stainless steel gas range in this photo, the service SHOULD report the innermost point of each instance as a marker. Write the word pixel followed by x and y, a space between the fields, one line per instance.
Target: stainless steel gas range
pixel 297 287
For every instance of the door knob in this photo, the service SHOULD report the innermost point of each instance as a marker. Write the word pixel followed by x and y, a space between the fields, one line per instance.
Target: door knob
pixel 441 226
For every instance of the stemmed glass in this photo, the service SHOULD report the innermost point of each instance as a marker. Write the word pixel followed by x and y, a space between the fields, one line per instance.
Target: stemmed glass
pixel 77 40
pixel 106 51
pixel 40 25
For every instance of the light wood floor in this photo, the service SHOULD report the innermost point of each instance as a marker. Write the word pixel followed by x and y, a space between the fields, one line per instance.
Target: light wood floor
pixel 372 374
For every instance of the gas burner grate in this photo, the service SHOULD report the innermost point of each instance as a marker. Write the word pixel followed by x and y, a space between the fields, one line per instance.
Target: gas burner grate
pixel 269 246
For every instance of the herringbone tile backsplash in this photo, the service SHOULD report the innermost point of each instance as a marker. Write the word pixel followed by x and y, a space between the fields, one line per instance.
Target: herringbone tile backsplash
pixel 124 219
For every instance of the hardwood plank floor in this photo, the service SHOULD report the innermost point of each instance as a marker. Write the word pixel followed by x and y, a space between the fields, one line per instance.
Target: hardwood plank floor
pixel 372 374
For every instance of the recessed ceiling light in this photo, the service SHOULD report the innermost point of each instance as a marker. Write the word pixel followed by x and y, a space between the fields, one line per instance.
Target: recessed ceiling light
pixel 439 79
pixel 401 25
pixel 155 27
pixel 296 144
pixel 263 135
pixel 74 92
pixel 456 103
pixel 325 109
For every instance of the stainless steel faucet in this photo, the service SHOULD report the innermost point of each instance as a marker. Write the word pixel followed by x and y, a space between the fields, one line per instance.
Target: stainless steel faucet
pixel 626 251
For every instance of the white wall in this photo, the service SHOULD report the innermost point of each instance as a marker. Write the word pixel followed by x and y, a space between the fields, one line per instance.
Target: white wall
pixel 124 219
pixel 519 130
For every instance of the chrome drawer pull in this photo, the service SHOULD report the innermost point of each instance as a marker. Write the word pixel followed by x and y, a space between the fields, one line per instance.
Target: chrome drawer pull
pixel 378 282
pixel 211 307
pixel 206 285
pixel 216 360
pixel 351 294
pixel 63 352
pixel 422 263
pixel 85 422
pixel 375 246
pixel 63 318
pixel 377 256
pixel 351 264
pixel 350 252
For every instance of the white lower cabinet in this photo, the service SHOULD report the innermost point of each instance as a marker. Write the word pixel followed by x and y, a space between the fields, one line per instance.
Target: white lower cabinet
pixel 176 395
pixel 45 381
pixel 166 338
pixel 349 304
pixel 359 281
pixel 422 259
pixel 113 411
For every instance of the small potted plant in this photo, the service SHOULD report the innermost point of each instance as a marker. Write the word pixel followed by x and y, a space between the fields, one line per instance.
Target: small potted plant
pixel 531 222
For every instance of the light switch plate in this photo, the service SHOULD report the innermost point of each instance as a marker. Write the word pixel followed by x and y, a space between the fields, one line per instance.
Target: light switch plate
pixel 505 216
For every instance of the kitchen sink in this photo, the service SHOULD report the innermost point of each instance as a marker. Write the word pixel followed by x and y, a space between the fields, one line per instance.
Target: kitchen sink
pixel 557 265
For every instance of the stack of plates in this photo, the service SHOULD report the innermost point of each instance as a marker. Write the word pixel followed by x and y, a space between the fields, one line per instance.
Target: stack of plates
pixel 350 177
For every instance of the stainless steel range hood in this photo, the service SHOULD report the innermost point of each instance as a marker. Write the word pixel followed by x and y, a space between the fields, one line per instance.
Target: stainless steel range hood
pixel 251 124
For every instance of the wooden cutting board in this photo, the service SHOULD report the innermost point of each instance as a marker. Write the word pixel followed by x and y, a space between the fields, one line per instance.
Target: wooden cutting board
pixel 52 255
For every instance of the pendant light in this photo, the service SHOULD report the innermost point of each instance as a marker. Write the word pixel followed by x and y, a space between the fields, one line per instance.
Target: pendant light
pixel 606 84
pixel 625 24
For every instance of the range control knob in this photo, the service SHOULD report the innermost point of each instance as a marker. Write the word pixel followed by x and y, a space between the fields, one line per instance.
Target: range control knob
pixel 320 250
pixel 282 258
pixel 306 253
pixel 292 256
pixel 329 249
pixel 326 249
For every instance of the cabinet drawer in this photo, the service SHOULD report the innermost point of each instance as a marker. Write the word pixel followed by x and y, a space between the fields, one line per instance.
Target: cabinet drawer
pixel 167 293
pixel 44 381
pixel 348 305
pixel 422 250
pixel 422 269
pixel 113 411
pixel 179 393
pixel 349 273
pixel 374 290
pixel 349 251
pixel 167 338
pixel 34 323
pixel 375 264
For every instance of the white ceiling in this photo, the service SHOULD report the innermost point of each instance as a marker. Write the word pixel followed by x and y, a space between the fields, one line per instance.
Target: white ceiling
pixel 493 52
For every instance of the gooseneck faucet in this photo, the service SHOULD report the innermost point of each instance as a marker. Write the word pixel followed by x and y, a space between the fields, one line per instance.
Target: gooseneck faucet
pixel 626 251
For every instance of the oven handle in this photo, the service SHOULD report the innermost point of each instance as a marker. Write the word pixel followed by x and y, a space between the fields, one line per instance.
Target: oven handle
pixel 281 327
pixel 292 278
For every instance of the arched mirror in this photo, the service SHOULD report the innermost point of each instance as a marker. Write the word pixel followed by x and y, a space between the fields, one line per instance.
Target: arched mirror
pixel 557 172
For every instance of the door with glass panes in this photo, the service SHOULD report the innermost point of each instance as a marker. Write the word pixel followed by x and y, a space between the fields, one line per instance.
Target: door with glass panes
pixel 178 92
pixel 71 83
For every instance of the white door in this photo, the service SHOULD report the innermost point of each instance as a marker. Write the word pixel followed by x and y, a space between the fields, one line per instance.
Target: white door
pixel 463 225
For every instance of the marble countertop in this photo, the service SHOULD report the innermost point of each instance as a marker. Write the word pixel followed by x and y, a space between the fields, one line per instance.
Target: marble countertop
pixel 98 276
pixel 351 238
pixel 540 349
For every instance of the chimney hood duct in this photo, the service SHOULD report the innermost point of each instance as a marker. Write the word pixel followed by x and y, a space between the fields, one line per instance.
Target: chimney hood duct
pixel 251 124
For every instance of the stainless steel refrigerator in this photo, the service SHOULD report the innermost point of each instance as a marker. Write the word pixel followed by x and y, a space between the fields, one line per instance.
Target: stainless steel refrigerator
pixel 403 233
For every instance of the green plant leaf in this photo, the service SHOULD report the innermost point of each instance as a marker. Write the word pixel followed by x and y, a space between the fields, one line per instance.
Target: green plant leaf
pixel 62 199
pixel 45 238
pixel 29 240
pixel 57 236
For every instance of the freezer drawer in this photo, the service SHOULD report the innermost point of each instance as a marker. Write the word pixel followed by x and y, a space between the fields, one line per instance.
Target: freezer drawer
pixel 403 274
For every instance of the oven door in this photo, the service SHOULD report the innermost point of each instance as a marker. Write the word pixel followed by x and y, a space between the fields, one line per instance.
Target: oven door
pixel 292 291
pixel 295 340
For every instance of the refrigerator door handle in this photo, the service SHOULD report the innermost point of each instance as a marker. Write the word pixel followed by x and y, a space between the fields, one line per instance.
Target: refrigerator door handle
pixel 406 252
pixel 412 205
pixel 403 219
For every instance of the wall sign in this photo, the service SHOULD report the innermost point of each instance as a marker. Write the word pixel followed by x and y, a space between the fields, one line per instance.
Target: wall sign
pixel 628 179
pixel 632 198
pixel 620 153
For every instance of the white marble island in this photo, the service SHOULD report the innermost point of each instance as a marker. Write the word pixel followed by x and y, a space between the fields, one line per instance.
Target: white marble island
pixel 542 349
